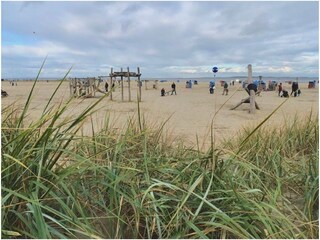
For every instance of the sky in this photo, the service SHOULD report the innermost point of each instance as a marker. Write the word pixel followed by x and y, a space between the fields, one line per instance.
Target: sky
pixel 165 39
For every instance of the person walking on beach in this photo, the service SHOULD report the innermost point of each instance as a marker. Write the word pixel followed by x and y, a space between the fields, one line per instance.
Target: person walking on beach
pixel 295 87
pixel 106 86
pixel 279 89
pixel 173 86
pixel 225 88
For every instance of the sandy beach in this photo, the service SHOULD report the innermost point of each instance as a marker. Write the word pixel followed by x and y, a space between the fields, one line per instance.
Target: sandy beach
pixel 189 113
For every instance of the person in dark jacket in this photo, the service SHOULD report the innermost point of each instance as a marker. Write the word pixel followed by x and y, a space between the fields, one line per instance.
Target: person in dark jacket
pixel 225 88
pixel 295 87
pixel 163 92
pixel 106 86
pixel 279 89
pixel 173 87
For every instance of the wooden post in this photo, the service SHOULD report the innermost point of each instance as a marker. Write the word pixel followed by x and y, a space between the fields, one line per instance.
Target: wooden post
pixel 111 81
pixel 252 93
pixel 121 86
pixel 139 83
pixel 86 86
pixel 79 88
pixel 71 86
pixel 94 86
pixel 129 84
pixel 75 87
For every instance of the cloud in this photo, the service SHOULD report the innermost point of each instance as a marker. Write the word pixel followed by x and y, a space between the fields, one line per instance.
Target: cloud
pixel 166 39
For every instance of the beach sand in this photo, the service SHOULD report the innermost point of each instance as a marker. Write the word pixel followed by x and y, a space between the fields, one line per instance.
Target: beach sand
pixel 189 113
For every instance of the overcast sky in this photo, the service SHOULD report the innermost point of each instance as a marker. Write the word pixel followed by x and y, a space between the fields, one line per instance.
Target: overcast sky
pixel 165 39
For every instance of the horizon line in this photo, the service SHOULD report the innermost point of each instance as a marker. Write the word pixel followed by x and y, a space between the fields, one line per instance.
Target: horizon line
pixel 239 76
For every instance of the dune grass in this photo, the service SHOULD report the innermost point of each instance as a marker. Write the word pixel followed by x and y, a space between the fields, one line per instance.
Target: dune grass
pixel 138 183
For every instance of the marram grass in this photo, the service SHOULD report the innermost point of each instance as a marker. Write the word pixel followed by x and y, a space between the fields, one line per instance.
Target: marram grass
pixel 140 183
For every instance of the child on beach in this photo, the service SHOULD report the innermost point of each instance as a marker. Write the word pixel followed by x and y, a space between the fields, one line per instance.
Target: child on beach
pixel 163 92
pixel 284 94
pixel 279 89
pixel 212 87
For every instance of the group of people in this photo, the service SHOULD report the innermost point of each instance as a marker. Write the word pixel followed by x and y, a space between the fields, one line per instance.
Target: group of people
pixel 211 89
pixel 284 93
pixel 173 90
pixel 281 91
pixel 225 87
pixel 13 83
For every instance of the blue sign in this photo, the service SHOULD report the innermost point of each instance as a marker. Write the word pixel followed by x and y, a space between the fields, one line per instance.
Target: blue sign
pixel 215 69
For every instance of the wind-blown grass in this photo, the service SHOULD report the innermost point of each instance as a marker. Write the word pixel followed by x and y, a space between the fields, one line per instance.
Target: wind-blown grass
pixel 138 183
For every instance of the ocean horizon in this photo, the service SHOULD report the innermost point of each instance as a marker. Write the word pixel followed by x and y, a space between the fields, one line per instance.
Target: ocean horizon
pixel 182 79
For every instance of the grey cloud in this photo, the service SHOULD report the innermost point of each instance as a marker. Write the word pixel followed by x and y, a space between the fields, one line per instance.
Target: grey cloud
pixel 157 35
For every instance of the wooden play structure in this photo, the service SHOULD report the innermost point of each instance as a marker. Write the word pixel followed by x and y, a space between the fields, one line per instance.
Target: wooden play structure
pixel 252 90
pixel 84 87
pixel 125 74
pixel 87 87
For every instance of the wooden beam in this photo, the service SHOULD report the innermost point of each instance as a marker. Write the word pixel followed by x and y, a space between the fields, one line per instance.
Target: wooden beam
pixel 139 83
pixel 128 75
pixel 125 74
pixel 245 100
pixel 252 93
pixel 121 87
pixel 71 87
pixel 111 81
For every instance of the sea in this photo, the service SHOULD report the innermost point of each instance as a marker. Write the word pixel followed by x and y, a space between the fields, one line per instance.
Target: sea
pixel 201 79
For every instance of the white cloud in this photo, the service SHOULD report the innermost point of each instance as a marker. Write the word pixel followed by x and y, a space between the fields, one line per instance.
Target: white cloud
pixel 280 69
pixel 188 71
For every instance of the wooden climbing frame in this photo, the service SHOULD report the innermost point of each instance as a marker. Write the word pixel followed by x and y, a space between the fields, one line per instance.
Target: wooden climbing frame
pixel 83 87
pixel 113 78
